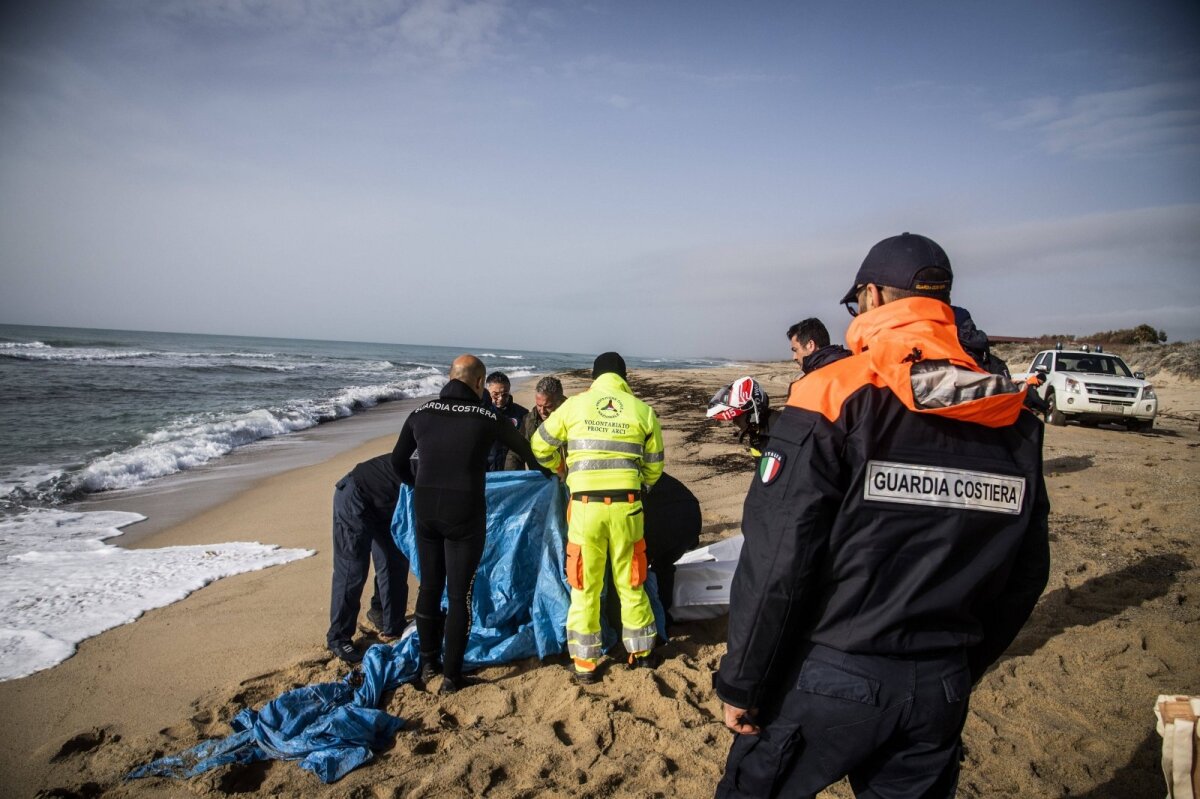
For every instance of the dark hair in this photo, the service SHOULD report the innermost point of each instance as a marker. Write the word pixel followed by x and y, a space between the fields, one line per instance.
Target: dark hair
pixel 497 377
pixel 933 275
pixel 550 387
pixel 809 330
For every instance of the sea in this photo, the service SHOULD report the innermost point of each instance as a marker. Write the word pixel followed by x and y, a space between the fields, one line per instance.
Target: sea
pixel 90 413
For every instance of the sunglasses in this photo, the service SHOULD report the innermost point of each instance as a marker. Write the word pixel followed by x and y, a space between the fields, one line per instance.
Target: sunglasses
pixel 852 307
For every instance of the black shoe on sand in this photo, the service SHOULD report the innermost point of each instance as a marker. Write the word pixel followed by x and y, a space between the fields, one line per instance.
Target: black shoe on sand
pixel 450 686
pixel 647 661
pixel 375 620
pixel 429 670
pixel 375 627
pixel 586 677
pixel 346 652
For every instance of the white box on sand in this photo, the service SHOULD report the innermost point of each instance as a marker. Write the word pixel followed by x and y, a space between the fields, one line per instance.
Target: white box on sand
pixel 702 580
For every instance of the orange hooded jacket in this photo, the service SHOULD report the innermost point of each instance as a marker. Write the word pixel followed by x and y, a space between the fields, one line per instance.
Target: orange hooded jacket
pixel 887 342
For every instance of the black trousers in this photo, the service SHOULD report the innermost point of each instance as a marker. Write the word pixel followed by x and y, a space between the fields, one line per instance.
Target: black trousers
pixel 892 725
pixel 451 531
pixel 362 533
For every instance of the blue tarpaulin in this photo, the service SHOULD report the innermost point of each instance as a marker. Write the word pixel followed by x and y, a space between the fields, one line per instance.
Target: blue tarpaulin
pixel 520 610
pixel 522 560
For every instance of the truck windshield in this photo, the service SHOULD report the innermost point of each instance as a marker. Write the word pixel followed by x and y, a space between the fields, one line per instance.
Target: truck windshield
pixel 1091 363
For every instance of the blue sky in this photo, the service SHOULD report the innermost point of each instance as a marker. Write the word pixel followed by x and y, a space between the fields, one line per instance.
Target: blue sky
pixel 660 178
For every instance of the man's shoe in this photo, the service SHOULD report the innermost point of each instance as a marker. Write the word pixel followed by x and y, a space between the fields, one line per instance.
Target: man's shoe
pixel 346 652
pixel 450 686
pixel 429 670
pixel 586 677
pixel 647 661
pixel 375 626
pixel 375 620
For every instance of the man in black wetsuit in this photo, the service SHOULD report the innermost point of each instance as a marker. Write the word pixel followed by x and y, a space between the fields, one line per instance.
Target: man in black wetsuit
pixel 452 436
pixel 363 503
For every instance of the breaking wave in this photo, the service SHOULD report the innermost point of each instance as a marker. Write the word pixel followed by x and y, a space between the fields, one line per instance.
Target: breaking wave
pixel 195 440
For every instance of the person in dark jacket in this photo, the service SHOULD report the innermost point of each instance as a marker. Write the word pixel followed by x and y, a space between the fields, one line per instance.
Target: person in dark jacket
pixel 452 436
pixel 547 396
pixel 895 542
pixel 975 342
pixel 500 400
pixel 810 345
pixel 363 503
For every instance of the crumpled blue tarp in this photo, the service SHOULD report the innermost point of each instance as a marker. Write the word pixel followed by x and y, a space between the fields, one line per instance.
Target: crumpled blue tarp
pixel 520 610
pixel 319 725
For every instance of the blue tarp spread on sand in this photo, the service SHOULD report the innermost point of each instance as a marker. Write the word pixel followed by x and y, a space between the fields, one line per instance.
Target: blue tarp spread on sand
pixel 520 609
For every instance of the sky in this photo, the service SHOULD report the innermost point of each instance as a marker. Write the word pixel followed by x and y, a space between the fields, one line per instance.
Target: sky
pixel 660 178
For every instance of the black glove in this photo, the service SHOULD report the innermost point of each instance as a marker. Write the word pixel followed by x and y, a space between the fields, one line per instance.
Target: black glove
pixel 545 472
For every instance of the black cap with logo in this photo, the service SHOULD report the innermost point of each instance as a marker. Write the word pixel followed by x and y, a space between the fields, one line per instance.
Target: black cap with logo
pixel 899 261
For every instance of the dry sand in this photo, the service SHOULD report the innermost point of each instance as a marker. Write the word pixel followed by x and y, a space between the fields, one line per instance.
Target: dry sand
pixel 1067 712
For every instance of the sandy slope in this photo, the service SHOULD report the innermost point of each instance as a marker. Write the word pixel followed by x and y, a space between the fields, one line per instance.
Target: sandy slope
pixel 1066 713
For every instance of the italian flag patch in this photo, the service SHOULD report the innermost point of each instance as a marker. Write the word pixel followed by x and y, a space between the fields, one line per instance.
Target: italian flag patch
pixel 770 466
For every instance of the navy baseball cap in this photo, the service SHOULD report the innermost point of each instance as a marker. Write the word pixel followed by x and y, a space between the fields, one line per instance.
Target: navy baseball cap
pixel 898 262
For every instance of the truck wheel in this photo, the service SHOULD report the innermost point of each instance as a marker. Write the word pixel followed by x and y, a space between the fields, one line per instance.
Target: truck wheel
pixel 1054 416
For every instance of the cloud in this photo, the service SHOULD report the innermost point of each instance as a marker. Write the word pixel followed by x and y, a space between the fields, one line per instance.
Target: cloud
pixel 1079 274
pixel 453 32
pixel 607 66
pixel 1153 119
pixel 1083 274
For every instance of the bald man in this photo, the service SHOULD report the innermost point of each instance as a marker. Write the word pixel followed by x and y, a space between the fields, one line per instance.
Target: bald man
pixel 452 436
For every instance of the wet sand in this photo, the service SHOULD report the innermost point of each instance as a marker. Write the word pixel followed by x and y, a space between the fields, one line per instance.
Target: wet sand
pixel 1067 712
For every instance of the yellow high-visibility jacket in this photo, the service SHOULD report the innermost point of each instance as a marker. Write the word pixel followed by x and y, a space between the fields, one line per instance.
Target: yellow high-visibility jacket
pixel 613 439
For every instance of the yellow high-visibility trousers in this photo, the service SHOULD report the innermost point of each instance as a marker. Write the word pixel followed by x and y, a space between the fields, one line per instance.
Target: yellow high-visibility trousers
pixel 598 531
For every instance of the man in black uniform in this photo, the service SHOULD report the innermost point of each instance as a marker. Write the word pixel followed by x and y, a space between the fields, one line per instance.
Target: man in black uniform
pixel 895 543
pixel 452 436
pixel 363 503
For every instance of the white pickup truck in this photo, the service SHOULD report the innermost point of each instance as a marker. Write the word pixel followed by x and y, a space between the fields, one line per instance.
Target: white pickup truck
pixel 1092 387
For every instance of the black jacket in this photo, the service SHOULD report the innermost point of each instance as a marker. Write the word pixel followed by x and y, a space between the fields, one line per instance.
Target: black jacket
pixel 452 436
pixel 378 485
pixel 823 357
pixel 976 344
pixel 894 513
pixel 515 414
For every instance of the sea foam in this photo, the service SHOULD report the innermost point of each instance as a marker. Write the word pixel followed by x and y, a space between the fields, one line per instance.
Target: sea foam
pixel 192 441
pixel 60 583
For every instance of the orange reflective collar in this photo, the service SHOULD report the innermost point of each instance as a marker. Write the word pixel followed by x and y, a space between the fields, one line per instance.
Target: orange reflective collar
pixel 886 342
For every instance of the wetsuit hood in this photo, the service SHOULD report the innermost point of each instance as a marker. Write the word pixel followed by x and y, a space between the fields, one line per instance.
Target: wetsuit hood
pixel 457 389
pixel 912 348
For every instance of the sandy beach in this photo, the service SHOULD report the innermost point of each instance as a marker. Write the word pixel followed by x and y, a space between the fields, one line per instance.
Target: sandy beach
pixel 1066 712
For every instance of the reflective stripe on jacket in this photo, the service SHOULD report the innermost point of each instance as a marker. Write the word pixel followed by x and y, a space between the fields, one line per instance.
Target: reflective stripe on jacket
pixel 899 510
pixel 613 439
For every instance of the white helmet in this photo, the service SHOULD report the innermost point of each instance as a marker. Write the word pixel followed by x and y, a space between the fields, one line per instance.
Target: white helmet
pixel 742 396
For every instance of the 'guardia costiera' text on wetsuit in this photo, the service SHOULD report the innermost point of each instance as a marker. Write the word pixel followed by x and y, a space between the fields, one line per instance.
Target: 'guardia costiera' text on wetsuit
pixel 452 436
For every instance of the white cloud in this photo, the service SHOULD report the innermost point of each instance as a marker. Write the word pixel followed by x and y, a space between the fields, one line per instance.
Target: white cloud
pixel 1155 118
pixel 455 32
